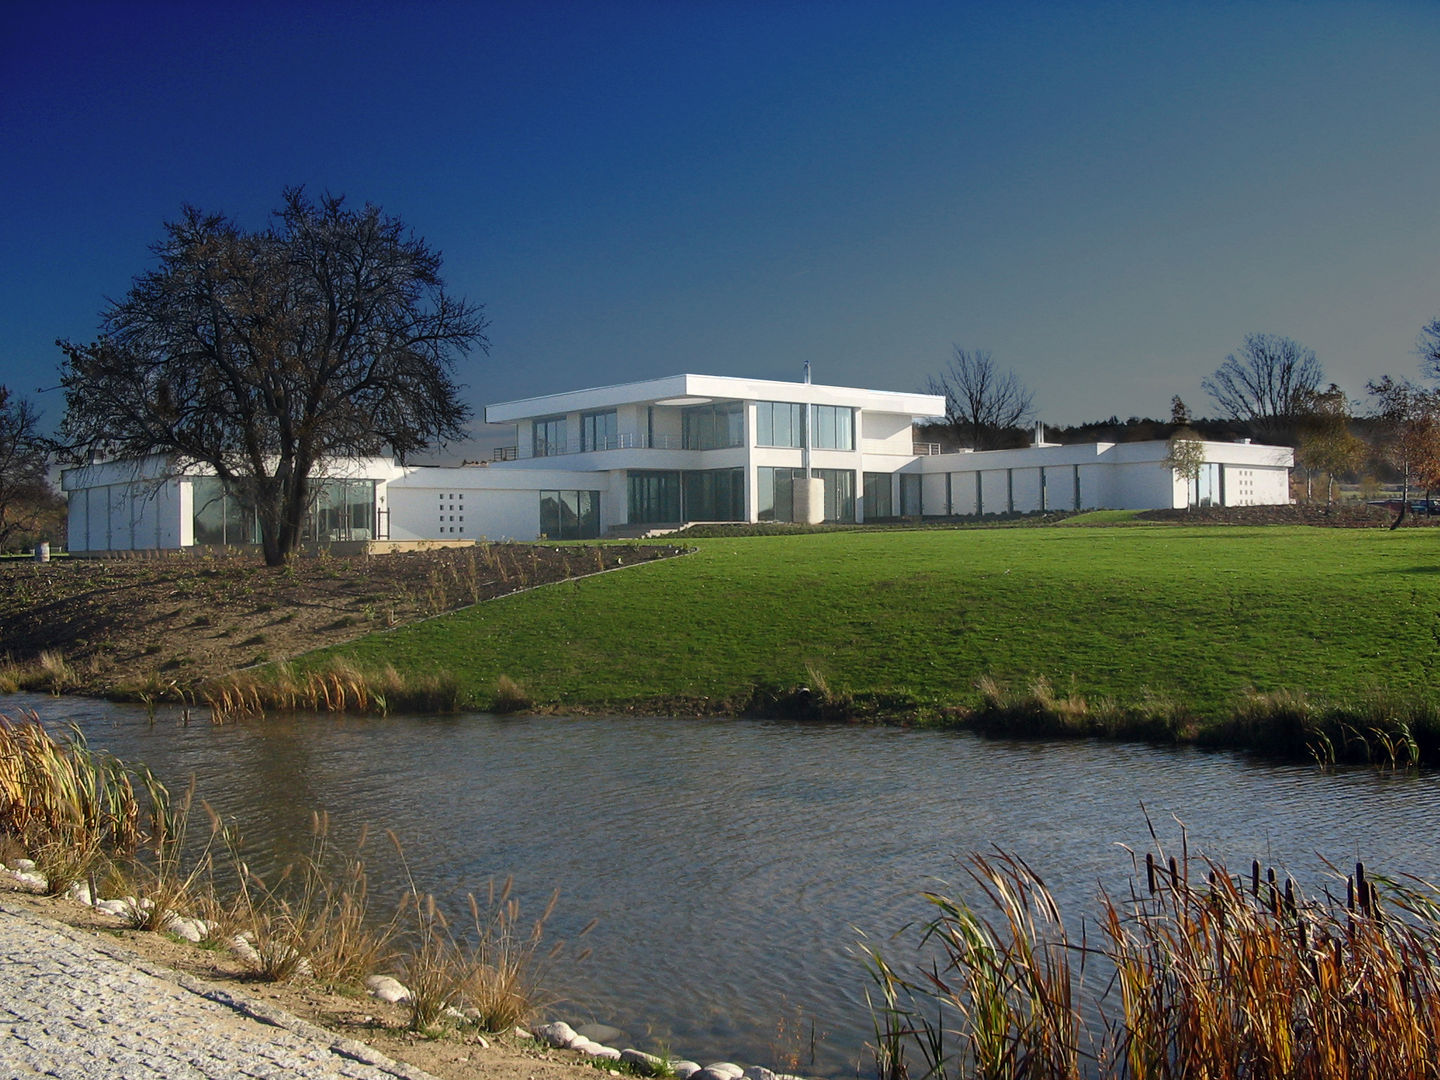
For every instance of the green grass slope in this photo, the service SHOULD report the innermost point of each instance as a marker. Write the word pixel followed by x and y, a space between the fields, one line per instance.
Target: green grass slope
pixel 1199 614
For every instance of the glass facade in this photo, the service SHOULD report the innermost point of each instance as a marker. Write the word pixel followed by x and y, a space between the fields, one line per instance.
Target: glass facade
pixel 692 495
pixel 338 510
pixel 219 518
pixel 714 495
pixel 598 431
pixel 570 515
pixel 833 427
pixel 654 497
pixel 878 501
pixel 839 493
pixel 550 437
pixel 779 423
pixel 911 504
pixel 1207 485
pixel 775 494
pixel 713 427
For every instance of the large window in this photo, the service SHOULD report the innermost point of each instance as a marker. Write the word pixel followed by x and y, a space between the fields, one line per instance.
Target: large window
pixel 654 497
pixel 570 515
pixel 342 510
pixel 910 502
pixel 779 423
pixel 219 517
pixel 714 495
pixel 598 431
pixel 714 427
pixel 775 493
pixel 839 493
pixel 550 437
pixel 878 501
pixel 338 510
pixel 1207 485
pixel 833 427
pixel 775 497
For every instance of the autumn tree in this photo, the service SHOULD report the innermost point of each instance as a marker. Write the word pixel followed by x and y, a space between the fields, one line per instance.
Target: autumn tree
pixel 1266 384
pixel 27 501
pixel 1410 424
pixel 1326 444
pixel 262 355
pixel 1185 454
pixel 981 401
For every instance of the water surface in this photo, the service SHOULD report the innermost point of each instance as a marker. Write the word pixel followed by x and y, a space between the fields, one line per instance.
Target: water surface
pixel 731 864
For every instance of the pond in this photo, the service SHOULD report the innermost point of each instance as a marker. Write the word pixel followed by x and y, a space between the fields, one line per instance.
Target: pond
pixel 733 864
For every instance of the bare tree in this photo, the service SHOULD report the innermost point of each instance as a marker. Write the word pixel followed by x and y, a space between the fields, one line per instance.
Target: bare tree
pixel 261 355
pixel 1267 384
pixel 25 492
pixel 1429 348
pixel 980 401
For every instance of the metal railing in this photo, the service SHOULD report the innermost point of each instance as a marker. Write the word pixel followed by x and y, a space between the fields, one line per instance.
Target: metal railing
pixel 926 449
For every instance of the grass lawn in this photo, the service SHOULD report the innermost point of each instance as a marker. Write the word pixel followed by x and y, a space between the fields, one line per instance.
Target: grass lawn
pixel 1199 614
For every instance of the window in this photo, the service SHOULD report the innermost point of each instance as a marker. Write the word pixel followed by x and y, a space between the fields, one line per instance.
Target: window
pixel 839 493
pixel 911 504
pixel 779 423
pixel 1207 485
pixel 550 437
pixel 775 497
pixel 878 503
pixel 833 427
pixel 713 495
pixel 654 497
pixel 569 515
pixel 713 427
pixel 598 431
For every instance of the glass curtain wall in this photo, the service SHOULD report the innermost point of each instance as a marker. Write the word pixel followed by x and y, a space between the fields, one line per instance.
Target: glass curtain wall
pixel 1207 485
pixel 570 515
pixel 878 500
pixel 910 504
pixel 839 493
pixel 696 495
pixel 779 423
pixel 833 427
pixel 338 510
pixel 775 497
pixel 598 431
pixel 550 437
pixel 713 427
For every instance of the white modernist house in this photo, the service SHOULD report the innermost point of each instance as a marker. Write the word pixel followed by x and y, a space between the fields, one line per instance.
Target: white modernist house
pixel 646 455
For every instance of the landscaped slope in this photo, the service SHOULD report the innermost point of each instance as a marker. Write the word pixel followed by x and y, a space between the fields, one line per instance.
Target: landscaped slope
pixel 1199 614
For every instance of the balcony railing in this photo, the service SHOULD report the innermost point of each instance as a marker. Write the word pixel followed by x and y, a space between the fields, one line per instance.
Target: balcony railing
pixel 625 441
pixel 926 449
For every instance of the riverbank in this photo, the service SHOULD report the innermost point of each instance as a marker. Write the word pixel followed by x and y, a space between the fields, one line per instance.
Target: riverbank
pixel 100 946
pixel 1294 639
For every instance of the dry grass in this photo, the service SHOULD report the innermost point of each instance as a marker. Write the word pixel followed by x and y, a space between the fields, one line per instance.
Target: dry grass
pixel 337 687
pixel 1217 976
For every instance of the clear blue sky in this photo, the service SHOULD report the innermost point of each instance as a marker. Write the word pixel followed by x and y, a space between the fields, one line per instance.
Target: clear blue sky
pixel 1107 196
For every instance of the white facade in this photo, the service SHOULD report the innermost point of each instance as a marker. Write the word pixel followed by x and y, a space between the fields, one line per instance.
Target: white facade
pixel 685 448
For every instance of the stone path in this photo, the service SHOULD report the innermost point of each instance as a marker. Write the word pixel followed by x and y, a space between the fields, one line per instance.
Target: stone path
pixel 73 1005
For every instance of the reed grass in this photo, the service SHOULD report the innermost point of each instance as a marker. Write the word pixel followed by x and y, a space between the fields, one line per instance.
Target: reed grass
pixel 336 686
pixel 1216 975
pixel 60 798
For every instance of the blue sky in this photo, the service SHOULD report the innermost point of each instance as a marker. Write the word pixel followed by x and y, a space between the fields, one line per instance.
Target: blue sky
pixel 1108 196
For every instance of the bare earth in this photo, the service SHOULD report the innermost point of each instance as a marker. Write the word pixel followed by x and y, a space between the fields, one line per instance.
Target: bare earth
pixel 171 623
pixel 357 1017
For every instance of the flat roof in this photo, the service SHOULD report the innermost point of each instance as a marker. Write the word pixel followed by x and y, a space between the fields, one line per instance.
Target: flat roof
pixel 701 389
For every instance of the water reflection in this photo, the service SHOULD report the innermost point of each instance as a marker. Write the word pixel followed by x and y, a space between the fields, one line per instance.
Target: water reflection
pixel 730 863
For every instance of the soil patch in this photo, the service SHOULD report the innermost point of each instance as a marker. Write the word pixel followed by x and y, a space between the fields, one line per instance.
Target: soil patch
pixel 171 623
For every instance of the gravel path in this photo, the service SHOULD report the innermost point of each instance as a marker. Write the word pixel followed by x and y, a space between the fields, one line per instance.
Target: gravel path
pixel 73 1005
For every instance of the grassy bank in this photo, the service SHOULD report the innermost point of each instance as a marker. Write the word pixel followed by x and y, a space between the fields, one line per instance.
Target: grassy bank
pixel 1194 626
